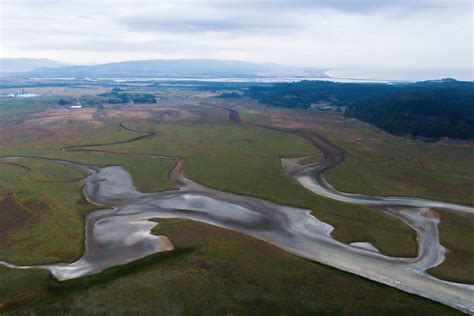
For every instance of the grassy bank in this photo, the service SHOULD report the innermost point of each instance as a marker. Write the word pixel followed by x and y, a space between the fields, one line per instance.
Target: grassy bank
pixel 213 272
pixel 457 235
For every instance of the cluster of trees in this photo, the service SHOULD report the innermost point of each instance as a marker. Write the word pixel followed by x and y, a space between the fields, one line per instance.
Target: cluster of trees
pixel 304 93
pixel 433 109
pixel 115 97
pixel 64 102
pixel 230 95
pixel 85 100
pixel 419 114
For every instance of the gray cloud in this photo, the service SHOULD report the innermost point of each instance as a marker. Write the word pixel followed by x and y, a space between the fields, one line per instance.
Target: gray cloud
pixel 347 6
pixel 325 33
pixel 184 24
pixel 279 16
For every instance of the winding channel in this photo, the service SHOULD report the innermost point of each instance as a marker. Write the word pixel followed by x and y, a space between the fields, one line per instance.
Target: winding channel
pixel 121 232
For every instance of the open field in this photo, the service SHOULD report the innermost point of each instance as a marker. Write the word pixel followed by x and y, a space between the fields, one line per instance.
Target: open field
pixel 254 157
pixel 457 234
pixel 214 271
pixel 382 164
pixel 230 157
pixel 42 212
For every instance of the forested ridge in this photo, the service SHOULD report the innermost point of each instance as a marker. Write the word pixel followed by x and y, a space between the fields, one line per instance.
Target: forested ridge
pixel 433 109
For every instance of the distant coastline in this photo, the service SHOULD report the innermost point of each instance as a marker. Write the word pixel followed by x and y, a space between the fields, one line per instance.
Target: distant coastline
pixel 391 75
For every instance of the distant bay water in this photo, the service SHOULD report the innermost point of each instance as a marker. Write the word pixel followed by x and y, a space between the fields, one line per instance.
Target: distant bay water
pixel 355 75
pixel 384 74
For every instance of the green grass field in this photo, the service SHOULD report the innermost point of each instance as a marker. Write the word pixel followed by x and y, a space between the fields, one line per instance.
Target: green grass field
pixel 42 212
pixel 381 164
pixel 390 166
pixel 456 234
pixel 246 160
pixel 45 207
pixel 213 271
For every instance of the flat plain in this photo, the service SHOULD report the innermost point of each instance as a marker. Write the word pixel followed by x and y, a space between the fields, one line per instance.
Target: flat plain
pixel 212 270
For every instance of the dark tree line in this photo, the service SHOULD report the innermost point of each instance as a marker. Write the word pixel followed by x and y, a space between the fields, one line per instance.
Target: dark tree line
pixel 430 109
pixel 125 97
pixel 230 95
pixel 114 97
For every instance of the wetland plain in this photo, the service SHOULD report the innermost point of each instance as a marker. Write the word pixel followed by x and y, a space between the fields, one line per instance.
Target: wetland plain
pixel 241 175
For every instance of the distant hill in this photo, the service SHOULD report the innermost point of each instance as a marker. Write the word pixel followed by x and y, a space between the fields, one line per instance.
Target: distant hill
pixel 181 68
pixel 13 65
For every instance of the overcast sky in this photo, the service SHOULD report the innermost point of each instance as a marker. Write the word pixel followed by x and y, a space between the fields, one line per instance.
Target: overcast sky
pixel 337 33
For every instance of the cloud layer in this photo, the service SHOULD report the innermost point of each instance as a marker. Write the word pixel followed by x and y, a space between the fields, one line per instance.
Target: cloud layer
pixel 337 33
